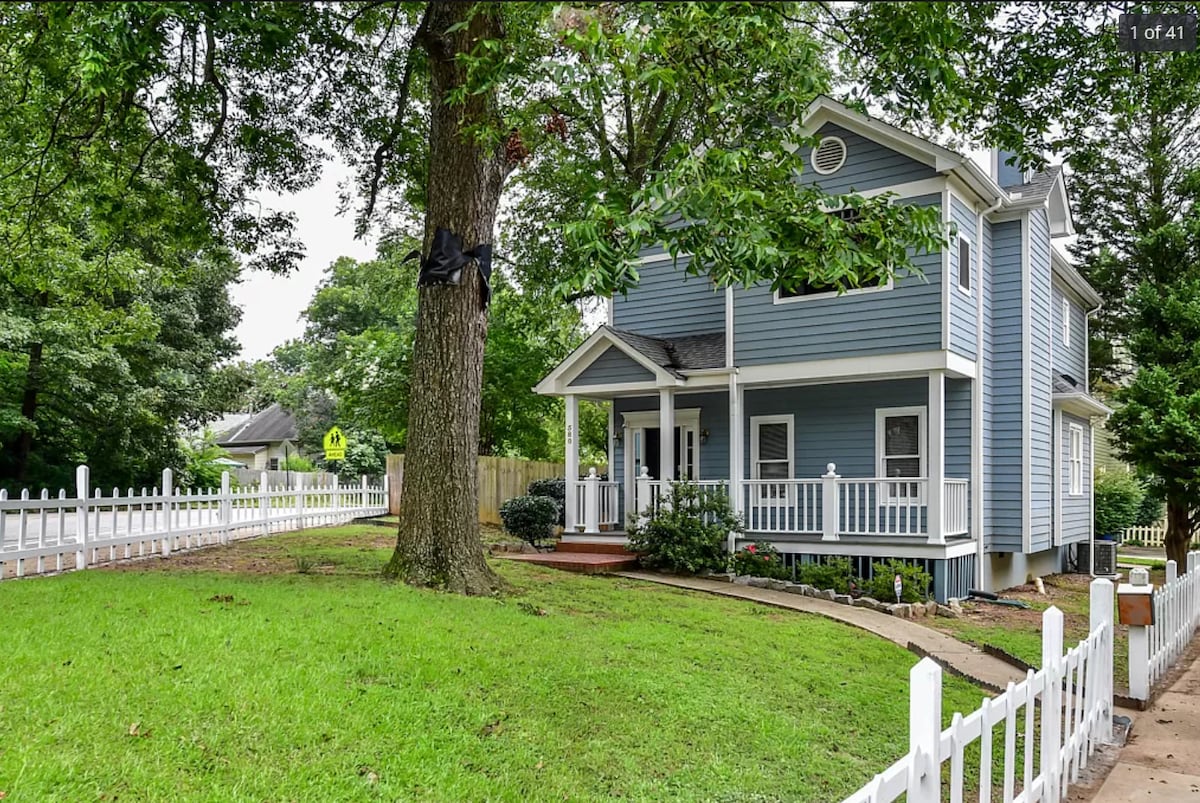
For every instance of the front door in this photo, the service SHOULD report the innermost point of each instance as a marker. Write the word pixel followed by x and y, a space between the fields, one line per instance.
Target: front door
pixel 647 451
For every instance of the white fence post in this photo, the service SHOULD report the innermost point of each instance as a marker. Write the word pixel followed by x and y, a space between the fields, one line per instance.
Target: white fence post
pixel 226 508
pixel 366 498
pixel 1139 636
pixel 387 493
pixel 924 731
pixel 300 501
pixel 829 504
pixel 1100 608
pixel 1052 659
pixel 82 484
pixel 591 502
pixel 336 499
pixel 168 490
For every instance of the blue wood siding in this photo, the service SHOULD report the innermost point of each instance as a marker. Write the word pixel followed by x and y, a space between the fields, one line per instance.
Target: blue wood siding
pixel 958 428
pixel 1004 491
pixel 963 306
pixel 1008 174
pixel 1072 359
pixel 669 303
pixel 868 166
pixel 1076 510
pixel 834 423
pixel 987 369
pixel 1041 426
pixel 904 318
pixel 612 366
pixel 714 417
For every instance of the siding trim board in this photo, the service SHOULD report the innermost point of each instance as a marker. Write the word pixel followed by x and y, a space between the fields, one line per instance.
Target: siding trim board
pixel 1026 392
pixel 854 369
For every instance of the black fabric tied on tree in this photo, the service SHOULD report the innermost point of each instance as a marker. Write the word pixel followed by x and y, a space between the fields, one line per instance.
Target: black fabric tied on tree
pixel 446 261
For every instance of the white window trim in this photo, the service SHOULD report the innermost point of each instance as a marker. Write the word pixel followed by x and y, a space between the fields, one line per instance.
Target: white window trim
pixel 757 421
pixel 970 288
pixel 1075 461
pixel 1066 316
pixel 812 156
pixel 834 294
pixel 881 415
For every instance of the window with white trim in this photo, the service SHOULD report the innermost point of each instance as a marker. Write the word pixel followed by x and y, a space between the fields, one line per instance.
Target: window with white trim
pixel 772 447
pixel 900 448
pixel 964 264
pixel 1075 461
pixel 807 289
pixel 1066 322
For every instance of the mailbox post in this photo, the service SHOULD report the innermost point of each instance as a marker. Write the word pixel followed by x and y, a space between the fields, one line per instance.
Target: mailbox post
pixel 1135 607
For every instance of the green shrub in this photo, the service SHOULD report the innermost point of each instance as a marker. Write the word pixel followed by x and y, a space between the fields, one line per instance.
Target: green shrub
pixel 295 462
pixel 1152 508
pixel 688 533
pixel 554 488
pixel 759 559
pixel 1117 498
pixel 914 582
pixel 834 573
pixel 530 518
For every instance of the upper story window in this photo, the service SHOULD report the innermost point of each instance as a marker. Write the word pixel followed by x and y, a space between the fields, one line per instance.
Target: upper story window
pixel 829 155
pixel 808 289
pixel 964 264
pixel 1066 322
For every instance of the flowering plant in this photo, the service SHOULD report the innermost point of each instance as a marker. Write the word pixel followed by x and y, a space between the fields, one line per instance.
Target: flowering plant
pixel 759 559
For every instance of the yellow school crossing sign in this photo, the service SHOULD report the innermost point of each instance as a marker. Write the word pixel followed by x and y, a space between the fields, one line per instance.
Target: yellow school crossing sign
pixel 335 444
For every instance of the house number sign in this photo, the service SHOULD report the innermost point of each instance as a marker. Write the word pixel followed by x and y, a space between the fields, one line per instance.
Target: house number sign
pixel 570 434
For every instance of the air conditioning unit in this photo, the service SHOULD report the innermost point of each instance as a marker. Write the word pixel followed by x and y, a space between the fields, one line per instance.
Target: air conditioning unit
pixel 1104 558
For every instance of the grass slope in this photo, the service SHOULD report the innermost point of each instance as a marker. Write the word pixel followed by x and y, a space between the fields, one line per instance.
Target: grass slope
pixel 228 675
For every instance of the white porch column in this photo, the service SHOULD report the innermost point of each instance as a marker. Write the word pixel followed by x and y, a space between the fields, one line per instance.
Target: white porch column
pixel 736 436
pixel 935 464
pixel 572 449
pixel 666 434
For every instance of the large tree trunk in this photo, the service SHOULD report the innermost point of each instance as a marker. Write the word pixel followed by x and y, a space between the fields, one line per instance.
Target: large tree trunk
pixel 1179 532
pixel 438 543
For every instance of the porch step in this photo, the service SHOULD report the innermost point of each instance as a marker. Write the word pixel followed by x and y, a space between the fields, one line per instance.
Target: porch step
pixel 581 562
pixel 593 547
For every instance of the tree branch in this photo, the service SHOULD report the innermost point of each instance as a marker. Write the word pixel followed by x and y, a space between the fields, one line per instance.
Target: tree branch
pixel 210 77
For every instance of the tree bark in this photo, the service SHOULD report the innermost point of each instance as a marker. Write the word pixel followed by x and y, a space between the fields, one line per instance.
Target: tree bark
pixel 438 542
pixel 1179 532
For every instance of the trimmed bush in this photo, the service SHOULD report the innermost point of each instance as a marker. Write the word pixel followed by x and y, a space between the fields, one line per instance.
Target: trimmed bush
pixel 530 518
pixel 834 573
pixel 1117 497
pixel 688 533
pixel 915 582
pixel 759 559
pixel 554 488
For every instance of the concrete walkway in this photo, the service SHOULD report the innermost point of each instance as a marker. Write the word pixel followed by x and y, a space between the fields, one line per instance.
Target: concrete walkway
pixel 963 659
pixel 1161 761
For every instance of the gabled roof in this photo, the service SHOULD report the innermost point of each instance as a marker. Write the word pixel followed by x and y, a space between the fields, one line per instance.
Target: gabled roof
pixel 1039 185
pixel 269 426
pixel 670 360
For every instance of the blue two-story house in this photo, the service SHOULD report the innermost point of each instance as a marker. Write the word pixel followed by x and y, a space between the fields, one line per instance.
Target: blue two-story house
pixel 942 418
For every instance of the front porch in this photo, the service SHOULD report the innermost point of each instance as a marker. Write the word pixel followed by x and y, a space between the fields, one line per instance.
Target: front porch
pixel 829 507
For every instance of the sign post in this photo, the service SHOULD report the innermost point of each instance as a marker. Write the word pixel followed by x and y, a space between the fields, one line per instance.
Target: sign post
pixel 335 444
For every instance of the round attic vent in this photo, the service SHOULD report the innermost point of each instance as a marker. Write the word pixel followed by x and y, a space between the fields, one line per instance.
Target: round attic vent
pixel 829 155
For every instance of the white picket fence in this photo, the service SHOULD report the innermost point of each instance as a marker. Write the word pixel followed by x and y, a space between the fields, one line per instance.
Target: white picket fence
pixel 1153 649
pixel 1154 535
pixel 44 533
pixel 1065 709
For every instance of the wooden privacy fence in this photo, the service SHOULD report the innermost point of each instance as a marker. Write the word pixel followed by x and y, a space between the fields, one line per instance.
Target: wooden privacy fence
pixel 1061 712
pixel 285 479
pixel 43 533
pixel 500 479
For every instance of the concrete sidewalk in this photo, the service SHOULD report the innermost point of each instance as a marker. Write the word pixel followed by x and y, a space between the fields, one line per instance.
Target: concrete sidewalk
pixel 1161 761
pixel 963 659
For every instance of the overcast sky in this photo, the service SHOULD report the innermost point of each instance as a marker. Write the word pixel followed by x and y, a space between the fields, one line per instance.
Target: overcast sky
pixel 271 305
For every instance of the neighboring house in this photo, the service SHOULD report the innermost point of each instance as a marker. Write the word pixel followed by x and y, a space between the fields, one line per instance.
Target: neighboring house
pixel 965 387
pixel 261 441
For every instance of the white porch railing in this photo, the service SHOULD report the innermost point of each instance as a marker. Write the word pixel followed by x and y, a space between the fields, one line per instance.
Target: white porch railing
pixel 783 506
pixel 882 506
pixel 597 504
pixel 1065 709
pixel 50 534
pixel 954 506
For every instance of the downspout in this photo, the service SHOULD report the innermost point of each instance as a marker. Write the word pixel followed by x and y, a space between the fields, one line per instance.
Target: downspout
pixel 977 399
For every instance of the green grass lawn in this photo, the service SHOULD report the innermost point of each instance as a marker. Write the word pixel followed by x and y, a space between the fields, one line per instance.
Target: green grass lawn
pixel 231 675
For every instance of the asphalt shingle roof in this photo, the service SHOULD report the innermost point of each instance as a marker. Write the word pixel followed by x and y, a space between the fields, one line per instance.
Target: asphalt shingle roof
pixel 677 354
pixel 1039 184
pixel 272 424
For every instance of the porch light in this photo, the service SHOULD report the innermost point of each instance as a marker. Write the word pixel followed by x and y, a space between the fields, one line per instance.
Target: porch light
pixel 618 436
pixel 704 436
